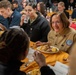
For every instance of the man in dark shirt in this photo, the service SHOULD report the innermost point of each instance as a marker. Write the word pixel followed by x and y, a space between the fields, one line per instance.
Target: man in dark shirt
pixel 13 17
pixel 16 6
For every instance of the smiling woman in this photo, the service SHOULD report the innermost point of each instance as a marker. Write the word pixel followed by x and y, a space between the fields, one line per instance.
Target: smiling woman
pixel 57 24
pixel 60 21
pixel 61 36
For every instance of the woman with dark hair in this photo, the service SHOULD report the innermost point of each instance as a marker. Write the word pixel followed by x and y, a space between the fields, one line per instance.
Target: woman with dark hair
pixel 36 26
pixel 14 47
pixel 41 8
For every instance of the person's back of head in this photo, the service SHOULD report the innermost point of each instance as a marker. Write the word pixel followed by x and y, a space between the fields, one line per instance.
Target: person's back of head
pixel 14 44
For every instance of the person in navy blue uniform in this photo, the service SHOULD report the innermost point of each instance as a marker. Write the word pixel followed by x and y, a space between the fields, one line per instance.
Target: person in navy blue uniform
pixel 13 17
pixel 3 21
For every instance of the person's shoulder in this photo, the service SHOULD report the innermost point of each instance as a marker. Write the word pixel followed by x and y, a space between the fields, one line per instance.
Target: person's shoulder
pixel 2 18
pixel 44 19
pixel 40 16
pixel 47 69
pixel 52 32
pixel 16 13
pixel 73 31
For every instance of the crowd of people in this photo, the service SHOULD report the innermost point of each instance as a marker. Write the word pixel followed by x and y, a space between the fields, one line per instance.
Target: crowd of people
pixel 25 22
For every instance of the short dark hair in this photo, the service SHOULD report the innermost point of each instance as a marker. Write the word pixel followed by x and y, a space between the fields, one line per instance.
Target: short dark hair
pixel 32 5
pixel 15 2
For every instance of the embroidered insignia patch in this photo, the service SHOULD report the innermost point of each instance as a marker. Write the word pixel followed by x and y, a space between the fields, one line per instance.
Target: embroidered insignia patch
pixel 69 42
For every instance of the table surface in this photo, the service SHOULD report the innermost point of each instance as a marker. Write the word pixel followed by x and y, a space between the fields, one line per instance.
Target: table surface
pixel 50 59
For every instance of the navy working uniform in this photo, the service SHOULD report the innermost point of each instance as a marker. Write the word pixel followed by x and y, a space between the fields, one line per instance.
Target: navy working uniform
pixel 13 20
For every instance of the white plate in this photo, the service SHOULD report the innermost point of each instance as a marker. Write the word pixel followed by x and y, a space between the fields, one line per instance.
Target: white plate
pixel 38 48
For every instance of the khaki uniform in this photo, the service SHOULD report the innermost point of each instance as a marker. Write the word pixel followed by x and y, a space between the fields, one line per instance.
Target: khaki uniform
pixel 64 40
